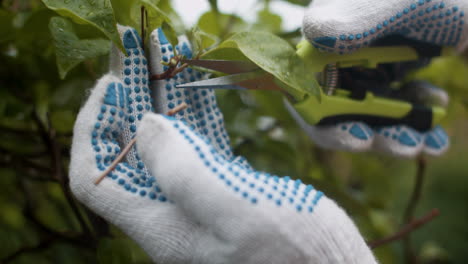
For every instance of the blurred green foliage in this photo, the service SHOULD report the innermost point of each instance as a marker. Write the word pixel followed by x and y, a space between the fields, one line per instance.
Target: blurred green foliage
pixel 40 222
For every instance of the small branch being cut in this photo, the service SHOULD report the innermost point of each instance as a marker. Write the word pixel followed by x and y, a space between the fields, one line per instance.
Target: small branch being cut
pixel 406 230
pixel 131 144
pixel 172 71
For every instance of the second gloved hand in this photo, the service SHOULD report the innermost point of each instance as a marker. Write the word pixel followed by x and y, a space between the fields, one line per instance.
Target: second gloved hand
pixel 345 26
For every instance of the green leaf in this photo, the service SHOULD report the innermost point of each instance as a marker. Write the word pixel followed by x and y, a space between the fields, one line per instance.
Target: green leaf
pixel 274 55
pixel 6 28
pixel 201 40
pixel 129 14
pixel 220 24
pixel 175 20
pixel 170 33
pixel 157 18
pixel 35 34
pixel 70 50
pixel 97 13
pixel 268 21
pixel 114 251
pixel 214 5
pixel 299 2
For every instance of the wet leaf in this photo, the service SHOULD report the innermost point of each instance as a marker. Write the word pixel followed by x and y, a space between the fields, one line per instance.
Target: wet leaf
pixel 220 25
pixel 70 49
pixel 97 13
pixel 274 55
pixel 268 21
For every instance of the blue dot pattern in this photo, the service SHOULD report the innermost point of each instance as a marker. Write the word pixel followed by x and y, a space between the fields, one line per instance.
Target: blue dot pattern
pixel 254 186
pixel 437 139
pixel 430 21
pixel 125 104
pixel 401 135
pixel 123 107
pixel 203 113
pixel 117 120
pixel 357 130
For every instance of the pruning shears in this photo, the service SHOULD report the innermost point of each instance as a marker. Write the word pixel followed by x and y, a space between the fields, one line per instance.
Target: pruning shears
pixel 335 104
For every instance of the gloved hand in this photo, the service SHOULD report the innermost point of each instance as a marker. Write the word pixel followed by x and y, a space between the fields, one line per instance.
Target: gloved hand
pixel 344 26
pixel 181 193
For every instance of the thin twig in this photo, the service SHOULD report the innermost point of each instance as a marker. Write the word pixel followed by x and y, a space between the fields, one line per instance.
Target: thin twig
pixel 417 190
pixel 116 161
pixel 172 71
pixel 411 207
pixel 406 230
pixel 130 145
pixel 143 33
pixel 177 109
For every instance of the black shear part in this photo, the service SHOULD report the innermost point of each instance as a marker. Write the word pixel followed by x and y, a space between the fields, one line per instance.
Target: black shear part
pixel 380 81
pixel 359 80
pixel 424 49
pixel 419 118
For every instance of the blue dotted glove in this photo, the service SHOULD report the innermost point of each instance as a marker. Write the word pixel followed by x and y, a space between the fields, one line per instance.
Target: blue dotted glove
pixel 181 193
pixel 344 26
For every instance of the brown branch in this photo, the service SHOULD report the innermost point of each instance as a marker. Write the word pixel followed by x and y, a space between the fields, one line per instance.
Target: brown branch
pixel 48 136
pixel 116 161
pixel 142 21
pixel 406 230
pixel 411 207
pixel 172 71
pixel 90 69
pixel 130 145
pixel 417 190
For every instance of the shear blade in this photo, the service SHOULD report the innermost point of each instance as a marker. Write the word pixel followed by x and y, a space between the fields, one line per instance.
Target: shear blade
pixel 225 66
pixel 224 82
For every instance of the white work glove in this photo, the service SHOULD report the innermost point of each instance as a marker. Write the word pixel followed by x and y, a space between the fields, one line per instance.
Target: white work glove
pixel 344 26
pixel 181 194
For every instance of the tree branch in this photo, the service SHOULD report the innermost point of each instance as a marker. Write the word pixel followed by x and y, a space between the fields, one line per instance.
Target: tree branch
pixel 408 216
pixel 406 230
pixel 417 190
pixel 48 136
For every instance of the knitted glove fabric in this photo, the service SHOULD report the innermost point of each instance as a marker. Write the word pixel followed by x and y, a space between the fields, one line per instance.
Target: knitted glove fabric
pixel 399 141
pixel 347 25
pixel 344 26
pixel 182 194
